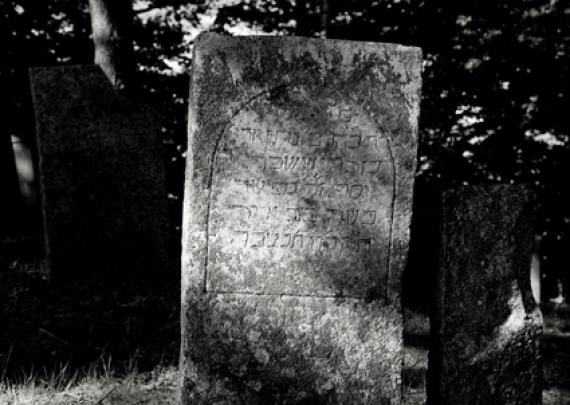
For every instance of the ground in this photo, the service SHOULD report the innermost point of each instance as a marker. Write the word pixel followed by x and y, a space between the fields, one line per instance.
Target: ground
pixel 83 343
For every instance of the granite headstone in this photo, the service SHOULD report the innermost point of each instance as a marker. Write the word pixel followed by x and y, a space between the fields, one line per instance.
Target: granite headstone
pixel 102 177
pixel 297 207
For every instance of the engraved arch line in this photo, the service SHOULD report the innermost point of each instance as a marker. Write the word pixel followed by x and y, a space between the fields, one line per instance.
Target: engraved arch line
pixel 272 90
pixel 394 193
pixel 279 88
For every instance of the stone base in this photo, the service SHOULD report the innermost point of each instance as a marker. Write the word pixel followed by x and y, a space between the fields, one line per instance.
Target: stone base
pixel 505 369
pixel 262 349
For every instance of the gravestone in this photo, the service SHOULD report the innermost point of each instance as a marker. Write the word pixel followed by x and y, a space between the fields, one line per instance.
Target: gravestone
pixel 296 217
pixel 486 328
pixel 102 177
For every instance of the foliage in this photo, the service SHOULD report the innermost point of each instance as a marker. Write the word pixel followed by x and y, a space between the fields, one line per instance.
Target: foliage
pixel 496 75
pixel 495 80
pixel 495 92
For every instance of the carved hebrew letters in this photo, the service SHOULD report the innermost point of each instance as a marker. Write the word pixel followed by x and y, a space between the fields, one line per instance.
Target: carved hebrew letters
pixel 288 192
pixel 297 205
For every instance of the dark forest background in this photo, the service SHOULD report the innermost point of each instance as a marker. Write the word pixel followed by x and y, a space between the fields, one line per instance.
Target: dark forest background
pixel 495 82
pixel 495 108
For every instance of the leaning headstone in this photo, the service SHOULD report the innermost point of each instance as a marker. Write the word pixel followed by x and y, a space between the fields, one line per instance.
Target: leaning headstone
pixel 102 177
pixel 296 219
pixel 486 327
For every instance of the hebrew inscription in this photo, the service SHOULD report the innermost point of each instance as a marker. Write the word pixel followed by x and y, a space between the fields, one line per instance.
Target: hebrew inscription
pixel 297 206
pixel 300 207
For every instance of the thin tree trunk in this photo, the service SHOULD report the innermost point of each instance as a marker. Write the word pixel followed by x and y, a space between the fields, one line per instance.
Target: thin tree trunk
pixel 111 23
pixel 324 18
pixel 302 17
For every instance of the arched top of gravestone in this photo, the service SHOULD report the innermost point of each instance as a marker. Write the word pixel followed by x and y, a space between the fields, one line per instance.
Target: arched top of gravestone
pixel 235 71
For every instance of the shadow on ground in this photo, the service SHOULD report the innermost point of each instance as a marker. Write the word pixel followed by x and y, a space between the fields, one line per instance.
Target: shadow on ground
pixel 129 320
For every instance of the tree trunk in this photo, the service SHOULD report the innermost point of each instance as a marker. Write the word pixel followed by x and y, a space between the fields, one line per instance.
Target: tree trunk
pixel 324 18
pixel 111 23
pixel 302 28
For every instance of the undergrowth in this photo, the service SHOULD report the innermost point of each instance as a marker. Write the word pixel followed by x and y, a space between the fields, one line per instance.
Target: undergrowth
pixel 77 324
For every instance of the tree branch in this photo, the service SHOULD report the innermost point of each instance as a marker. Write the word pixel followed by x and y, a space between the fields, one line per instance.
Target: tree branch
pixel 146 10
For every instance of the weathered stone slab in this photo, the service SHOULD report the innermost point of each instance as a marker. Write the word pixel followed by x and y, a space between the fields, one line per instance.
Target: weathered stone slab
pixel 102 175
pixel 487 327
pixel 297 208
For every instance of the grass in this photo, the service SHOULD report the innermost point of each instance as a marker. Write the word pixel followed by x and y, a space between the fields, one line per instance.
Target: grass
pixel 45 324
pixel 86 340
pixel 98 385
pixel 87 343
pixel 105 382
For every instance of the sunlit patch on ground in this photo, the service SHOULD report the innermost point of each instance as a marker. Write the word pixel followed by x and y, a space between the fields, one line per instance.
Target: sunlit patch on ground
pixel 157 387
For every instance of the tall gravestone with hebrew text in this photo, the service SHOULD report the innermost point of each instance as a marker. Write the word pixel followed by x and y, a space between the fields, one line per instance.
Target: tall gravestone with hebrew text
pixel 296 218
pixel 102 176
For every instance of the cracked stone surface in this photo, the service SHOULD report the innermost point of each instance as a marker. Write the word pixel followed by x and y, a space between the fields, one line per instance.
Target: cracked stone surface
pixel 101 173
pixel 487 328
pixel 297 207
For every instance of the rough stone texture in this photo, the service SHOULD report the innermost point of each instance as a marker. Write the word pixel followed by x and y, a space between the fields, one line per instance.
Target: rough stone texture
pixel 296 219
pixel 102 175
pixel 487 327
